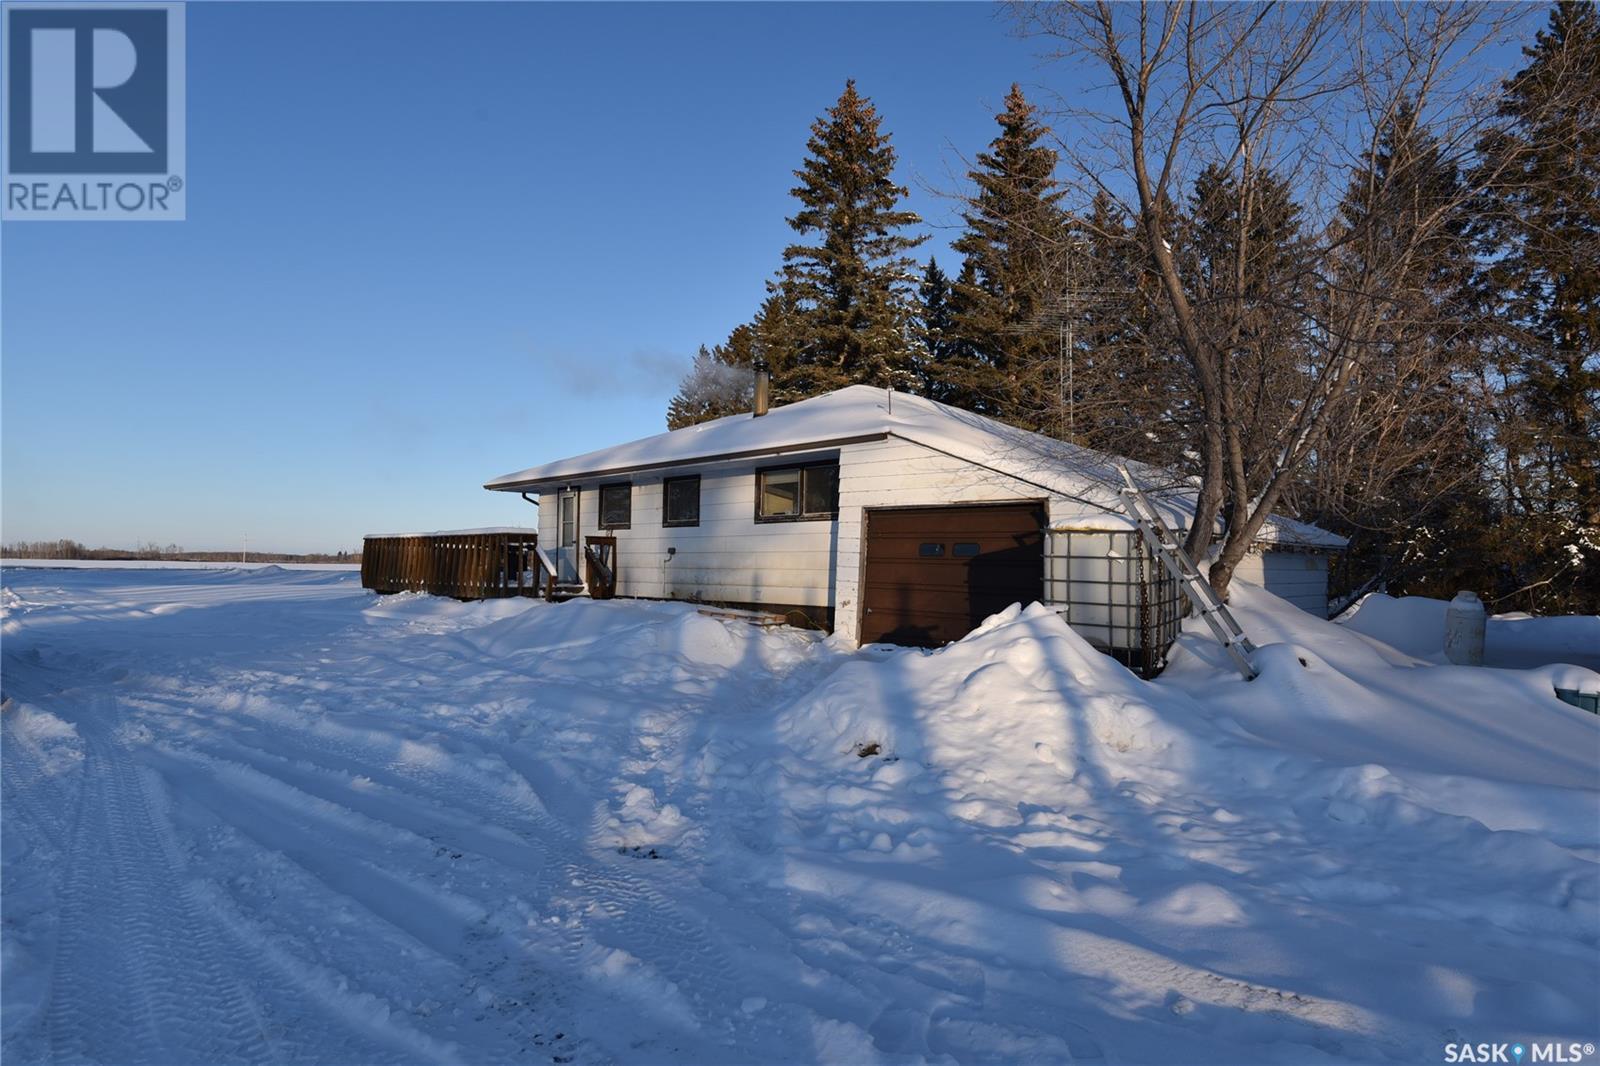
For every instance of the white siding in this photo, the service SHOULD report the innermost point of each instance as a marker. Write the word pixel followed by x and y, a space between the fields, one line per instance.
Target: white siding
pixel 548 517
pixel 732 558
pixel 1299 577
pixel 729 557
pixel 898 473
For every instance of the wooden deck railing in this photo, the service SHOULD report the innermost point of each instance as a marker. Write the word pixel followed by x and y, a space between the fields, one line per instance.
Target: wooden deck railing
pixel 466 565
pixel 601 573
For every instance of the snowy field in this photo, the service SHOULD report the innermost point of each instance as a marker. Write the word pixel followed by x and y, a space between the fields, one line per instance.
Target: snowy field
pixel 266 816
pixel 160 564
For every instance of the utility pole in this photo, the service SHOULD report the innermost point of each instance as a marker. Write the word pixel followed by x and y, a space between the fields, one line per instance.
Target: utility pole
pixel 244 556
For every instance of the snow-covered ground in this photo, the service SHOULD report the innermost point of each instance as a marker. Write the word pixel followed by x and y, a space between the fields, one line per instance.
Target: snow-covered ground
pixel 265 815
pixel 1415 625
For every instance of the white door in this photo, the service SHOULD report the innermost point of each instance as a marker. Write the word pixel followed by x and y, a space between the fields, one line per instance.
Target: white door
pixel 567 546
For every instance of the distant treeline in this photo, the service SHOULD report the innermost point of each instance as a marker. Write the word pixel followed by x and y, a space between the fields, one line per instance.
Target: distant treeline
pixel 171 553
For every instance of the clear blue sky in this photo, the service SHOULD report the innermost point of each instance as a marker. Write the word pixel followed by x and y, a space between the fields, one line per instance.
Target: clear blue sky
pixel 430 244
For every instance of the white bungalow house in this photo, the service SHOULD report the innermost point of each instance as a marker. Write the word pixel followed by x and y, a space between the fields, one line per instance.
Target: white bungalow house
pixel 885 516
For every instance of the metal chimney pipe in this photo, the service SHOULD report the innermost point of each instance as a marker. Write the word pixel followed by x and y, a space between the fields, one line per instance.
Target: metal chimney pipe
pixel 763 392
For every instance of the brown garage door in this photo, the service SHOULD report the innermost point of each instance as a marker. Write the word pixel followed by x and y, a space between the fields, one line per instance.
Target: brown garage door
pixel 933 573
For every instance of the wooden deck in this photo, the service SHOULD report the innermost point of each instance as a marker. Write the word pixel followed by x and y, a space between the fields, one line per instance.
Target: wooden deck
pixel 466 565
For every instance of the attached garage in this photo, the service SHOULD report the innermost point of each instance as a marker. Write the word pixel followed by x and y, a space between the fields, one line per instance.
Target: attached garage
pixel 888 517
pixel 931 574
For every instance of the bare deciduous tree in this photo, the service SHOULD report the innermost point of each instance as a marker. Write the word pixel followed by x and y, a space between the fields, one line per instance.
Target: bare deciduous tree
pixel 1313 96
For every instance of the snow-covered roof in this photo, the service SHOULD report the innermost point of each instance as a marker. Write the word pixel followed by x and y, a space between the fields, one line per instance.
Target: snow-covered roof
pixel 861 413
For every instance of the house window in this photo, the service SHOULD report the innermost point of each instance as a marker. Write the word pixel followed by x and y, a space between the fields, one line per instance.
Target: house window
pixel 680 504
pixel 792 493
pixel 616 506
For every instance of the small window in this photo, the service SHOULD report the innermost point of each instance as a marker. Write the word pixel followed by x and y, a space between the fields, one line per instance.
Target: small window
pixel 780 493
pixel 964 550
pixel 616 506
pixel 797 492
pixel 821 489
pixel 931 551
pixel 680 505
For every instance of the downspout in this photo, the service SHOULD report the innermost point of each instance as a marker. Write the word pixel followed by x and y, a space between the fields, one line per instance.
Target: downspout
pixel 539 559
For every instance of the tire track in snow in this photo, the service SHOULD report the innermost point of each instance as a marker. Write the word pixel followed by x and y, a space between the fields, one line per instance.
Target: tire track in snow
pixel 138 972
pixel 145 968
pixel 348 858
pixel 607 925
pixel 622 932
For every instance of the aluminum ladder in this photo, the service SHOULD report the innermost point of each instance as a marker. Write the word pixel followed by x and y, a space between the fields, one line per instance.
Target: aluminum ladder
pixel 1165 544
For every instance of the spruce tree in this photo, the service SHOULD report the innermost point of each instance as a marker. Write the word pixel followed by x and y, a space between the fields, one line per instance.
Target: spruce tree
pixel 1128 385
pixel 718 382
pixel 1243 233
pixel 1539 234
pixel 848 284
pixel 1408 452
pixel 775 338
pixel 1008 303
pixel 935 332
pixel 720 379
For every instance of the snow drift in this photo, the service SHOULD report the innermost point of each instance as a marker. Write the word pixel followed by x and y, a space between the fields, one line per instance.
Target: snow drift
pixel 275 818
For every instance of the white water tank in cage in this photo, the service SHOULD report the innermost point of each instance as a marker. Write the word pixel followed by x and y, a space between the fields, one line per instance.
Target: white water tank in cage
pixel 1114 593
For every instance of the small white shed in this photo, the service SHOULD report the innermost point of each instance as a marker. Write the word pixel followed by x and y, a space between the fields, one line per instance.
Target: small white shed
pixel 885 516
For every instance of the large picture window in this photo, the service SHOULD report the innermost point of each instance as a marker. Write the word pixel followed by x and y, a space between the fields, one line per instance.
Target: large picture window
pixel 680 501
pixel 616 506
pixel 797 493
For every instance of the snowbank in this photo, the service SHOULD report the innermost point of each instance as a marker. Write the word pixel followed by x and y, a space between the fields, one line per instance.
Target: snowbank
pixel 1415 626
pixel 980 730
pixel 1335 693
pixel 46 752
pixel 274 817
pixel 1018 774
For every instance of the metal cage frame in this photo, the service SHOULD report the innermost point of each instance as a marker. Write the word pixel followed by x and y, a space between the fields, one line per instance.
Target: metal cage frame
pixel 1114 592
